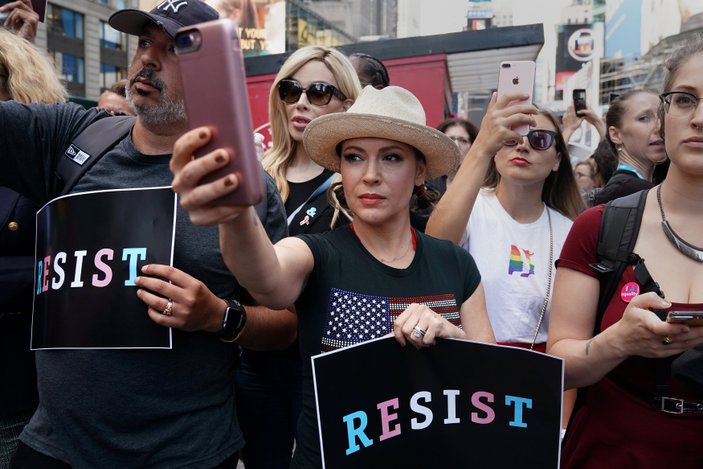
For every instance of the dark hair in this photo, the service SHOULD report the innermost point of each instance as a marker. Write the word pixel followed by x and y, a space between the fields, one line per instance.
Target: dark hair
pixel 679 57
pixel 560 190
pixel 617 110
pixel 470 128
pixel 674 63
pixel 374 70
pixel 606 160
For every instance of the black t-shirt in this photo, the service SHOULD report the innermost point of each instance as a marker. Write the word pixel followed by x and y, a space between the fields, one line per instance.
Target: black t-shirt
pixel 129 408
pixel 346 279
pixel 316 215
pixel 621 183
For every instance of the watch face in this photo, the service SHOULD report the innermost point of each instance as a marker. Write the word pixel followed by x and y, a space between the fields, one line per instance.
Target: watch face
pixel 233 320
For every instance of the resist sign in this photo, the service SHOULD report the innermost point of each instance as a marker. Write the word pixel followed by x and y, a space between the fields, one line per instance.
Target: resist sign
pixel 90 248
pixel 456 404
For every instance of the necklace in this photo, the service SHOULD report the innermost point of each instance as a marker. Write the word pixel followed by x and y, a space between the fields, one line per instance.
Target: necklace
pixel 687 249
pixel 389 261
pixel 549 279
pixel 413 245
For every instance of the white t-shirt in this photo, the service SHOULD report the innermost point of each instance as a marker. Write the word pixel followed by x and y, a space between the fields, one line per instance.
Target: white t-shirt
pixel 513 259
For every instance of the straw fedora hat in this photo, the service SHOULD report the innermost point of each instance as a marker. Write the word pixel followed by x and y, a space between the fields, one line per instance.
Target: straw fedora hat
pixel 392 113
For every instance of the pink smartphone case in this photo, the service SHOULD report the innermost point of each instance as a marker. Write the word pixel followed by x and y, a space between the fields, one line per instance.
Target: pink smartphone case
pixel 215 93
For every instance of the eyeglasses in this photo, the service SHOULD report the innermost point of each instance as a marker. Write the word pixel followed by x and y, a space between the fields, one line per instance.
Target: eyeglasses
pixel 538 139
pixel 679 103
pixel 457 139
pixel 319 93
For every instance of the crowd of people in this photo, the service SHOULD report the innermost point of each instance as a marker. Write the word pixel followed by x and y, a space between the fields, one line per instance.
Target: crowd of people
pixel 363 199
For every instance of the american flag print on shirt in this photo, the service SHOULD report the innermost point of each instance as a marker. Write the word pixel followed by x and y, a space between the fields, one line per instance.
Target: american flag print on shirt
pixel 355 317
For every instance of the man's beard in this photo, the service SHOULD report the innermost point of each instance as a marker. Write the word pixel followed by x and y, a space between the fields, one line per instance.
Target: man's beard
pixel 167 111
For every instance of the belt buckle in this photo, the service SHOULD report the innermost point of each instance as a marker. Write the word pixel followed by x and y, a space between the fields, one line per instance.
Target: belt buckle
pixel 671 405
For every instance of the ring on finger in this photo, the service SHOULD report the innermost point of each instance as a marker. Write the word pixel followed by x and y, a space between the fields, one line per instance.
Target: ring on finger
pixel 418 333
pixel 168 310
pixel 666 340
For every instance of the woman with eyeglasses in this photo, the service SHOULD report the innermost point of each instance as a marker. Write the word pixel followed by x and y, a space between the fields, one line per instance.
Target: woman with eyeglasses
pixel 632 124
pixel 511 206
pixel 642 376
pixel 312 82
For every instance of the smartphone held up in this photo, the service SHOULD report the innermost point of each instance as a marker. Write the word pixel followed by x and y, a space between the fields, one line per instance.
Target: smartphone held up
pixel 579 98
pixel 215 94
pixel 517 77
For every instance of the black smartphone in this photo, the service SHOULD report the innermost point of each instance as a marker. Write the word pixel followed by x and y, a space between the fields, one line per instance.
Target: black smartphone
pixel 691 318
pixel 579 96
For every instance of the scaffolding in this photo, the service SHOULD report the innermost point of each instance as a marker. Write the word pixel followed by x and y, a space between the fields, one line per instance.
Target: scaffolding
pixel 619 75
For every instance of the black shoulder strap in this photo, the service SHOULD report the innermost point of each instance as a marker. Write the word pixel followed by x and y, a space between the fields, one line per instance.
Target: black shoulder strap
pixel 87 148
pixel 618 233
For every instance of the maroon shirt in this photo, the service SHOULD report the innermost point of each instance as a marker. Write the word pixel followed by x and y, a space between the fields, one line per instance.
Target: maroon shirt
pixel 618 424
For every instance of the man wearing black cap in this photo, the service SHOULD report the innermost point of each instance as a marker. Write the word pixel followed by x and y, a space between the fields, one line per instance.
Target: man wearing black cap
pixel 141 408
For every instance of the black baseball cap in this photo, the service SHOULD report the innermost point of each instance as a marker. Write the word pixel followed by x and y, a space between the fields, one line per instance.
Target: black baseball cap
pixel 169 15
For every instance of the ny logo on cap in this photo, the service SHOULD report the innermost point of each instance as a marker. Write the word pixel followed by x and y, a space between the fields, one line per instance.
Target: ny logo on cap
pixel 174 5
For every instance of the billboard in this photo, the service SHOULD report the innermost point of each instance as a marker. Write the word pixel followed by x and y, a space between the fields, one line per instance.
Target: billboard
pixel 576 44
pixel 262 24
pixel 623 22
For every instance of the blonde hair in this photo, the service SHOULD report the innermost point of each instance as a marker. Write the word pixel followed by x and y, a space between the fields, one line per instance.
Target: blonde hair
pixel 279 157
pixel 26 74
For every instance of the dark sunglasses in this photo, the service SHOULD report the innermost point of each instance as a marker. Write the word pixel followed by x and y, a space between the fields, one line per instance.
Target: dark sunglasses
pixel 539 139
pixel 318 93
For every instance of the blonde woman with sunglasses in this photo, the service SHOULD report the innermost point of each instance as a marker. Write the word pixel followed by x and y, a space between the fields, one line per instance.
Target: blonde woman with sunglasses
pixel 314 81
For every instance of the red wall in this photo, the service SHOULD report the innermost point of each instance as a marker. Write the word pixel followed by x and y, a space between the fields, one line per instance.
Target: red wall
pixel 425 76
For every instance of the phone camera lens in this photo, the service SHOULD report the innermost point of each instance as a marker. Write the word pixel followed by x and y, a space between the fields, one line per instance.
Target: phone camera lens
pixel 184 41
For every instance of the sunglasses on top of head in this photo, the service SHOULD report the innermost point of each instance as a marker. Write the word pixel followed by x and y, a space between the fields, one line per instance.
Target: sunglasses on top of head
pixel 318 93
pixel 538 139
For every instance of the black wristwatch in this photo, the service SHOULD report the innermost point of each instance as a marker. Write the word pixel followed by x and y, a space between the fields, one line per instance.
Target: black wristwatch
pixel 233 321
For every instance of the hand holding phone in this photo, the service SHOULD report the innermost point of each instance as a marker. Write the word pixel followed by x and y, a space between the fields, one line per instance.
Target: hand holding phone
pixel 215 94
pixel 579 98
pixel 517 77
pixel 690 318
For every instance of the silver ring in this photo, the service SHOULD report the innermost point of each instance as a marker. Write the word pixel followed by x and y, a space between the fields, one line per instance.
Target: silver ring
pixel 666 340
pixel 418 333
pixel 168 310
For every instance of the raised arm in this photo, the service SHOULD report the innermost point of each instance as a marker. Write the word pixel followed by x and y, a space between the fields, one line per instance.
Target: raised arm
pixel 274 276
pixel 450 216
pixel 572 121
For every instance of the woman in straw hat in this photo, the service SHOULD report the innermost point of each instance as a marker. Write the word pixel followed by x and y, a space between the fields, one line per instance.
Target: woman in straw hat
pixel 383 149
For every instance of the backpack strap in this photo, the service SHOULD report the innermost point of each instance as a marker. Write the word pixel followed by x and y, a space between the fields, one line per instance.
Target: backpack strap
pixel 616 239
pixel 87 148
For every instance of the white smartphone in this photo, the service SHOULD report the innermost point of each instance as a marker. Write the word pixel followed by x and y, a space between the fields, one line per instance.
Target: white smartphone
pixel 517 77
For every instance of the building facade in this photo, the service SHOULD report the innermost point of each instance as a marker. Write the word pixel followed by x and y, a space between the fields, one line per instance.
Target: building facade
pixel 89 55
